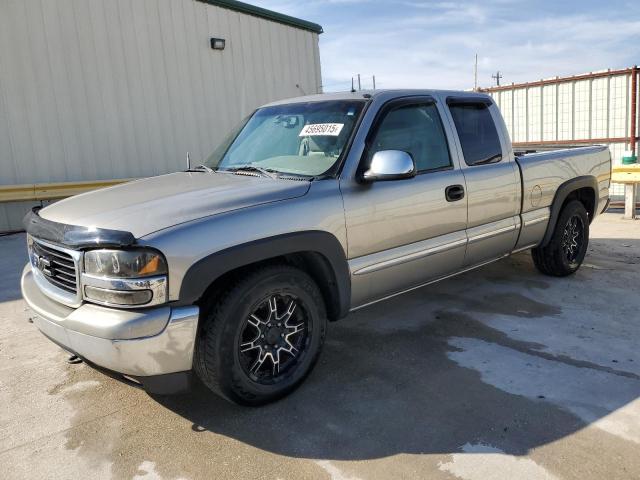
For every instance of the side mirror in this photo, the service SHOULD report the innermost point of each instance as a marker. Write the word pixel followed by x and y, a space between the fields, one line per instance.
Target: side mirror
pixel 390 165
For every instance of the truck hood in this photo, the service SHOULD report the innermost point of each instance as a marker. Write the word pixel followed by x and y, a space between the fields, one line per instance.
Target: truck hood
pixel 151 204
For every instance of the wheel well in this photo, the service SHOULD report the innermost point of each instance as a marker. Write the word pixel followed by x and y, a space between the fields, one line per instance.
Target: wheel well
pixel 587 196
pixel 313 263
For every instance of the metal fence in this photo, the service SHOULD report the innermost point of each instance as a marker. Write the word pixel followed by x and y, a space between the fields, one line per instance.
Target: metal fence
pixel 595 108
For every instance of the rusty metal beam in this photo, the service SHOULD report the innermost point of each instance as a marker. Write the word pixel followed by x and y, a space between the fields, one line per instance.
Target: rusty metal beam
pixel 553 81
pixel 634 108
pixel 581 141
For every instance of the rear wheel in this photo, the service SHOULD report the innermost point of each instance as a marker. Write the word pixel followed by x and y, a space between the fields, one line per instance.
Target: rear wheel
pixel 565 252
pixel 263 337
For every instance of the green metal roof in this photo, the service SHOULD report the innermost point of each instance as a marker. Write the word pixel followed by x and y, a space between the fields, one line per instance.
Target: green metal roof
pixel 264 13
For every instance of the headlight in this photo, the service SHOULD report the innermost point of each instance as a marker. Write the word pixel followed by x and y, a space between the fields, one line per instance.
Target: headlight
pixel 124 263
pixel 125 278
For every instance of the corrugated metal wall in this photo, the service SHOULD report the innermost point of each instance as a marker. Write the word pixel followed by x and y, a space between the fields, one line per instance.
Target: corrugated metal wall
pixel 101 89
pixel 570 111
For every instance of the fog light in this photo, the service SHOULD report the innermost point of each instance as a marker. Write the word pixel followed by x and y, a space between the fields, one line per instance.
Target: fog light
pixel 118 297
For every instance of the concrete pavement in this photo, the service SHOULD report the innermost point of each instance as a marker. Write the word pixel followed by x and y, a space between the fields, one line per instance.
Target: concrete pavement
pixel 500 373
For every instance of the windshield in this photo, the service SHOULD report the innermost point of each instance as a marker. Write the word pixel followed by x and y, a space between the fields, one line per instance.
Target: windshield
pixel 300 138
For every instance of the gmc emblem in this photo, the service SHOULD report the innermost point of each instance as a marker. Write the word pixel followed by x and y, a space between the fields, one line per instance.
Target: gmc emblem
pixel 43 264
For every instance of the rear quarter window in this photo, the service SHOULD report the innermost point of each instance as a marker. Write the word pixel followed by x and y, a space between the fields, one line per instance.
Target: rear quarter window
pixel 477 133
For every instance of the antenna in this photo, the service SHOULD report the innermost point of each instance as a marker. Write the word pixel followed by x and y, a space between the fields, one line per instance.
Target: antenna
pixel 188 161
pixel 497 78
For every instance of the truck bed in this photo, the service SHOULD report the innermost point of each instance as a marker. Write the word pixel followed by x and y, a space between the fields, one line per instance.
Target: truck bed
pixel 542 175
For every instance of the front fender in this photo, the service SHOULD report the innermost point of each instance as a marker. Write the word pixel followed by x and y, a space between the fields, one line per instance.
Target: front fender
pixel 208 269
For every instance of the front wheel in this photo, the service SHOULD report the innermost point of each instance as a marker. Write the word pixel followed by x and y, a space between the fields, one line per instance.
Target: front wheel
pixel 565 252
pixel 263 337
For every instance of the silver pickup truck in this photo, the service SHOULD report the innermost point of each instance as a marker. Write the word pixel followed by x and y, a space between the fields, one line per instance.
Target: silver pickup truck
pixel 314 207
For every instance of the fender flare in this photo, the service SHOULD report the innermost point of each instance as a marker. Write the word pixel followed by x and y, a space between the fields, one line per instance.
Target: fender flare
pixel 210 268
pixel 564 190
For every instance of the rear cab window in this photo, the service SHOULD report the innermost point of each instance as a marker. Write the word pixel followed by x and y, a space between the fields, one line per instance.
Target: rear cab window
pixel 476 130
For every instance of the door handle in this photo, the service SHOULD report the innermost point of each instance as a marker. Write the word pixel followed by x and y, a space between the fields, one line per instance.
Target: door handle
pixel 453 193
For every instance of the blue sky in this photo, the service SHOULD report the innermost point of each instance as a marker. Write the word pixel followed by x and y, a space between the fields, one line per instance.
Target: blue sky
pixel 413 43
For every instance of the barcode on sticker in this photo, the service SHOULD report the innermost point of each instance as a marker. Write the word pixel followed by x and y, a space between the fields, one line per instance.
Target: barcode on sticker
pixel 331 129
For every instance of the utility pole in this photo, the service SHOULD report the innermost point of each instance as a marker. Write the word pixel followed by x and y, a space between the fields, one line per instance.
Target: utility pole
pixel 374 82
pixel 475 75
pixel 497 78
pixel 359 84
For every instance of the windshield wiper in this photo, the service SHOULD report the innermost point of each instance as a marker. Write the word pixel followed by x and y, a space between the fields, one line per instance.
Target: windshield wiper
pixel 201 168
pixel 267 172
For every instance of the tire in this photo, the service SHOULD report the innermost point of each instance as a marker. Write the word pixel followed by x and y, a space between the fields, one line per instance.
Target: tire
pixel 565 252
pixel 254 347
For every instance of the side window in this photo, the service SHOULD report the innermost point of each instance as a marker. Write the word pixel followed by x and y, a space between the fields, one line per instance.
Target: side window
pixel 417 130
pixel 477 133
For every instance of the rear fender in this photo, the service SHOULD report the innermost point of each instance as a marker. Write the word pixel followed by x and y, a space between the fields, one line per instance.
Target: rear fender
pixel 564 190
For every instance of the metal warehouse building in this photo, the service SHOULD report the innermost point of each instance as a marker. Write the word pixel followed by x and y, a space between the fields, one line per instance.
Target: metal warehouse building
pixel 598 107
pixel 114 89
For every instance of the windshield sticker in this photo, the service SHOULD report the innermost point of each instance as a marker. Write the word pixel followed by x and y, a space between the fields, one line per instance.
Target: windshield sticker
pixel 316 129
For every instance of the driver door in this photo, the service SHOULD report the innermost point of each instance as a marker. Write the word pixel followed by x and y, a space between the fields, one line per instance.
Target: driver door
pixel 404 233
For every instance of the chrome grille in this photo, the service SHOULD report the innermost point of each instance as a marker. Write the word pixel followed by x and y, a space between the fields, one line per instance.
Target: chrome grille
pixel 57 266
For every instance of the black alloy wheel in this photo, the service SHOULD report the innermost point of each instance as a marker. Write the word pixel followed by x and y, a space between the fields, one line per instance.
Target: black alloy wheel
pixel 573 238
pixel 274 338
pixel 261 337
pixel 568 245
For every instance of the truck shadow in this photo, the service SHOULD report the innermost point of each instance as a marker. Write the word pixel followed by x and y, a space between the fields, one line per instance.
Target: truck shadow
pixel 471 360
pixel 376 396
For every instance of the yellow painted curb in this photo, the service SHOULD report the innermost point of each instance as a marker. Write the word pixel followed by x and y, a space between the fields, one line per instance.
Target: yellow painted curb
pixel 53 191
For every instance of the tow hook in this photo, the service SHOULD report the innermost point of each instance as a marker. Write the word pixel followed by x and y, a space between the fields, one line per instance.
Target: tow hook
pixel 74 359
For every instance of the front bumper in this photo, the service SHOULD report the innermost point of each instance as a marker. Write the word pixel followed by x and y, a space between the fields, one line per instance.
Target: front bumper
pixel 142 344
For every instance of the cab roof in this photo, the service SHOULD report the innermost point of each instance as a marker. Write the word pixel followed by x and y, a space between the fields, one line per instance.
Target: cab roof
pixel 371 94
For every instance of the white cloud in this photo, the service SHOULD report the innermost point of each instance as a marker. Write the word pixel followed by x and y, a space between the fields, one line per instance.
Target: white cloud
pixel 432 44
